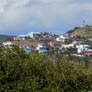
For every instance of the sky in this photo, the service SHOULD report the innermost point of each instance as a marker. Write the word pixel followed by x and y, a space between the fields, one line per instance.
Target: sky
pixel 19 17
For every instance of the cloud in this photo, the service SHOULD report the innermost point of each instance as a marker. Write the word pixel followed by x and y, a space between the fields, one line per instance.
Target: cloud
pixel 57 15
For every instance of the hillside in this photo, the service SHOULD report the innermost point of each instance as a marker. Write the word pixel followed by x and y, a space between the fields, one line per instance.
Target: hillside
pixel 5 37
pixel 83 32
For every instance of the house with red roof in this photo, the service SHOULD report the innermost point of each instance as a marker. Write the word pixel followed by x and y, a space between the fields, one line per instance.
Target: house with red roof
pixel 90 39
pixel 8 43
pixel 88 54
pixel 54 44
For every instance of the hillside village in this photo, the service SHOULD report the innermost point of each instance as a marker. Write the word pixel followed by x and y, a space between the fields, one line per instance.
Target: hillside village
pixel 46 62
pixel 63 45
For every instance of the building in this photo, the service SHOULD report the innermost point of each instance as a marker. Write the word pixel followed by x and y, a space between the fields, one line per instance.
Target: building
pixel 42 49
pixel 83 48
pixel 54 44
pixel 74 35
pixel 88 54
pixel 90 39
pixel 21 37
pixel 75 42
pixel 28 49
pixel 33 34
pixel 62 38
pixel 8 43
pixel 68 46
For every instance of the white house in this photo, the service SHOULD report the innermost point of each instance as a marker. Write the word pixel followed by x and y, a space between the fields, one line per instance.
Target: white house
pixel 33 34
pixel 42 49
pixel 75 42
pixel 62 38
pixel 90 39
pixel 68 46
pixel 21 37
pixel 83 48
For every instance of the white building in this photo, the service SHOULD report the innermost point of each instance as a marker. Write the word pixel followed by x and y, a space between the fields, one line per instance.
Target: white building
pixel 42 49
pixel 33 34
pixel 90 39
pixel 68 46
pixel 83 48
pixel 21 37
pixel 62 38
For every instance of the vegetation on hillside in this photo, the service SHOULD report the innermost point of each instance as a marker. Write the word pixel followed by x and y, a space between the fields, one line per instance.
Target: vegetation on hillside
pixel 5 37
pixel 33 72
pixel 85 32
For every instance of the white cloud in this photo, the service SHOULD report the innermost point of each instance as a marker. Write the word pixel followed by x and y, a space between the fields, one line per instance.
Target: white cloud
pixel 47 14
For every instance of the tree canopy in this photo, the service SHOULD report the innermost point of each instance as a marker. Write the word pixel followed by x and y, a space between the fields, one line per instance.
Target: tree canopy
pixel 33 72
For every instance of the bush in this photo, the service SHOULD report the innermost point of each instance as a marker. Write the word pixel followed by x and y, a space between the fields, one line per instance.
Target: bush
pixel 21 72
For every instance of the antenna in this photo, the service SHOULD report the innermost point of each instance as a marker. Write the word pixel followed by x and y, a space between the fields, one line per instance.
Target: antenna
pixel 84 23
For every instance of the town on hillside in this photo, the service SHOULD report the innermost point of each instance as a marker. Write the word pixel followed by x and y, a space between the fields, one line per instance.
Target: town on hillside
pixel 50 44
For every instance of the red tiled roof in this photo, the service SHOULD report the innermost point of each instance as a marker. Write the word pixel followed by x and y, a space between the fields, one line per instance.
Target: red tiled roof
pixel 87 53
pixel 10 42
pixel 54 42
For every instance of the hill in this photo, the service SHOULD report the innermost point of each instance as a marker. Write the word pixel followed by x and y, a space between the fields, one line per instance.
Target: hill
pixel 85 32
pixel 5 37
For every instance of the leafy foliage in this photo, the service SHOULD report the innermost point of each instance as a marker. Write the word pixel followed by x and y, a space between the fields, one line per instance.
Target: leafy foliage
pixel 21 72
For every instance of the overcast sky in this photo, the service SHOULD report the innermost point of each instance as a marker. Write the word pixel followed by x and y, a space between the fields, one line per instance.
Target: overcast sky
pixel 56 16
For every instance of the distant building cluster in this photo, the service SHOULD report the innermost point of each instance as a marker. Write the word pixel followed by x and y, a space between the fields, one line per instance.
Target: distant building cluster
pixel 45 42
pixel 36 35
